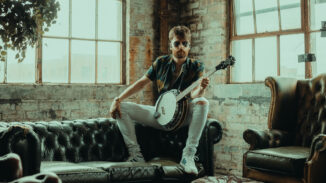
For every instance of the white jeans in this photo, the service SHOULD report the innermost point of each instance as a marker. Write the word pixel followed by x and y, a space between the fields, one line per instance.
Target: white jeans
pixel 144 114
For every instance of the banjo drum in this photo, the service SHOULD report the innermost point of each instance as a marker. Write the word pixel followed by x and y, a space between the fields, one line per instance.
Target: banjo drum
pixel 171 108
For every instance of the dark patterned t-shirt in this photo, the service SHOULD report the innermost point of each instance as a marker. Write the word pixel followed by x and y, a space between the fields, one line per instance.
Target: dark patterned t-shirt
pixel 163 68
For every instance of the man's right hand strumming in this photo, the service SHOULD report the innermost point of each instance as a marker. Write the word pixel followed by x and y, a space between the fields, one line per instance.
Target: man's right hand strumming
pixel 115 108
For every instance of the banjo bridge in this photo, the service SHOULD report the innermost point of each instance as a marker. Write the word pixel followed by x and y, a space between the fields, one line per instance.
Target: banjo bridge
pixel 163 111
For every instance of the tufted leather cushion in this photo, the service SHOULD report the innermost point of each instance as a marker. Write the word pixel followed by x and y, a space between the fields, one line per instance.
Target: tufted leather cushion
pixel 281 160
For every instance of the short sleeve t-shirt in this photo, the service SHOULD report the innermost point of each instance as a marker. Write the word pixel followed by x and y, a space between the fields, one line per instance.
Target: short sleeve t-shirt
pixel 162 69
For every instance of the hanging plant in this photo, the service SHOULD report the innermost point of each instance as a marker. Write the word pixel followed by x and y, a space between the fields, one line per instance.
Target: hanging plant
pixel 23 22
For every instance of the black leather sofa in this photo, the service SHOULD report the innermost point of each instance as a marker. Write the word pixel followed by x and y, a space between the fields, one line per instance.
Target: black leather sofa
pixel 93 150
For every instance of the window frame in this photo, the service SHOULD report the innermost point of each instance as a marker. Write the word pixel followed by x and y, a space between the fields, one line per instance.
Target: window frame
pixel 305 29
pixel 39 51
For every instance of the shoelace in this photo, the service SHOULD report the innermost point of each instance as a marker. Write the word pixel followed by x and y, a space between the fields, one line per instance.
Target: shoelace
pixel 196 158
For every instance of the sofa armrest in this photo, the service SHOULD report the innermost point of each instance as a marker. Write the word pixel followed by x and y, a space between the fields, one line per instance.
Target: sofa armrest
pixel 258 139
pixel 23 141
pixel 215 130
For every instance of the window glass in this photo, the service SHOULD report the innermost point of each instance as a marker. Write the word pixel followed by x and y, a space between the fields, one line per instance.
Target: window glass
pixel 82 61
pixel 290 14
pixel 21 72
pixel 290 47
pixel 55 60
pixel 83 18
pixel 318 14
pixel 266 16
pixel 109 70
pixel 61 27
pixel 242 70
pixel 109 19
pixel 318 45
pixel 265 58
pixel 244 17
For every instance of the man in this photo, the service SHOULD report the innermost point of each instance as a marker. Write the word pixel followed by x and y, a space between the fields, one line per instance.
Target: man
pixel 167 72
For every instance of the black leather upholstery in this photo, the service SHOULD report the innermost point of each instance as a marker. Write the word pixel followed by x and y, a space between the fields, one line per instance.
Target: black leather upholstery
pixel 93 150
pixel 293 148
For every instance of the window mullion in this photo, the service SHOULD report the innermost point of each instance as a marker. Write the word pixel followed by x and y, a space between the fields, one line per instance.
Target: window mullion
pixel 70 35
pixel 38 61
pixel 279 15
pixel 233 18
pixel 254 15
pixel 123 58
pixel 306 27
pixel 278 56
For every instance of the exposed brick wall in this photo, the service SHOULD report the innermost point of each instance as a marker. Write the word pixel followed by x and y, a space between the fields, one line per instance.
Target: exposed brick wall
pixel 56 102
pixel 236 106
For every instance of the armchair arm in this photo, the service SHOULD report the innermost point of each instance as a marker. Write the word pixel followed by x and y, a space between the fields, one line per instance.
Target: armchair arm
pixel 215 130
pixel 23 141
pixel 318 145
pixel 266 139
pixel 11 167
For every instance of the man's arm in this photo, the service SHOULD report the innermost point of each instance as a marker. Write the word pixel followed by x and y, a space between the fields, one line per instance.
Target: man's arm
pixel 199 91
pixel 132 89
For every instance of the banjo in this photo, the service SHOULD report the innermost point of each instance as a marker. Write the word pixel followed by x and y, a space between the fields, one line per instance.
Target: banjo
pixel 171 107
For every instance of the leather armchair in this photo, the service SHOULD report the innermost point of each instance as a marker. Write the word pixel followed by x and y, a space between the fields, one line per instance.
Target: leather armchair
pixel 293 147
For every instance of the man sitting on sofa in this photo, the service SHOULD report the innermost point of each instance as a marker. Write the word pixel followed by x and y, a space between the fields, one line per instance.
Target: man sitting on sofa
pixel 167 73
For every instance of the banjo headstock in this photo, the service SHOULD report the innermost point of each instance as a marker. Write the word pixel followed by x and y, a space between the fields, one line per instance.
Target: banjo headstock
pixel 224 64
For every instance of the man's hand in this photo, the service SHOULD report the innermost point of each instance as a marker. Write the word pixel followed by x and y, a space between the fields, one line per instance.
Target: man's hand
pixel 204 83
pixel 115 109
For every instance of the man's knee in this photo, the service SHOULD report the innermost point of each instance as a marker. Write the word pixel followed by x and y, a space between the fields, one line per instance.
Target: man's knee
pixel 202 101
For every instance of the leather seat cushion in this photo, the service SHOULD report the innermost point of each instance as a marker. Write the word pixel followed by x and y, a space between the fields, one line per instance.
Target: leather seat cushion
pixel 126 171
pixel 74 173
pixel 284 160
pixel 173 170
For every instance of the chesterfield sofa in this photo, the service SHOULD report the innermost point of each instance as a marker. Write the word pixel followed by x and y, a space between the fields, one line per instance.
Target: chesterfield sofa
pixel 293 148
pixel 93 150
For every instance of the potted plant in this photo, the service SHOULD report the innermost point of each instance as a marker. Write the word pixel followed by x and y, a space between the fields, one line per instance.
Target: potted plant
pixel 22 23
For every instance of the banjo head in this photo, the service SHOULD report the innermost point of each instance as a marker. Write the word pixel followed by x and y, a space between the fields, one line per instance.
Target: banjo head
pixel 166 106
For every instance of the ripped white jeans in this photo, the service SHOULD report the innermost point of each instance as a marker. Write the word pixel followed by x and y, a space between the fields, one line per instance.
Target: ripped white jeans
pixel 144 114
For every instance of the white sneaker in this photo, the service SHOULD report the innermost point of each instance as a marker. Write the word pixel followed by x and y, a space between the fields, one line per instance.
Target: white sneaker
pixel 188 163
pixel 136 157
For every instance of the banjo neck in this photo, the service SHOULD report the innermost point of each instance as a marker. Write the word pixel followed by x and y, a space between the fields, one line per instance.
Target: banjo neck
pixel 224 64
pixel 193 85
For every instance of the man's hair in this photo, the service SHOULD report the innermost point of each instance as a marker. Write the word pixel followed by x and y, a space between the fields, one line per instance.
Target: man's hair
pixel 180 31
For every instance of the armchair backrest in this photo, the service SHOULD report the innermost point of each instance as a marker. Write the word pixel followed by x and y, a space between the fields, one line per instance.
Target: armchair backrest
pixel 311 96
pixel 297 107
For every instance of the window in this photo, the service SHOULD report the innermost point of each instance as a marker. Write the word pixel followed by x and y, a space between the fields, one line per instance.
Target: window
pixel 84 46
pixel 268 35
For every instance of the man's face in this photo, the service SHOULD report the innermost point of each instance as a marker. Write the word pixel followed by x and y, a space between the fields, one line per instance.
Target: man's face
pixel 180 47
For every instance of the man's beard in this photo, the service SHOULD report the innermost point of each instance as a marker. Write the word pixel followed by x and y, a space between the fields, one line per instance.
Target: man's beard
pixel 181 54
